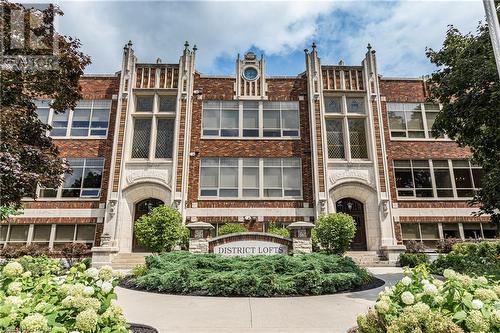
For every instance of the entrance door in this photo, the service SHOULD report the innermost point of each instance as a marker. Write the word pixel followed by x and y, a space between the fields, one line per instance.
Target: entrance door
pixel 356 210
pixel 141 208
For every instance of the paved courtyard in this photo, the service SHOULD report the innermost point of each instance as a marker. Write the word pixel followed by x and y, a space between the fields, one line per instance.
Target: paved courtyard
pixel 331 313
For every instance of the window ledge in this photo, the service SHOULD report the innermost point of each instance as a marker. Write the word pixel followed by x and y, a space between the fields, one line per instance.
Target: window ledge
pixel 420 140
pixel 79 137
pixel 335 161
pixel 139 161
pixel 250 139
pixel 60 199
pixel 435 199
pixel 249 199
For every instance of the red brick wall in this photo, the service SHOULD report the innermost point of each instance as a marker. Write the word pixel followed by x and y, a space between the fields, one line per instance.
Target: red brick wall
pixel 223 89
pixel 414 91
pixel 92 88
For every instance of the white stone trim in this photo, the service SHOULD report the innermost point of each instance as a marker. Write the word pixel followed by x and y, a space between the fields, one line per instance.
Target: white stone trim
pixel 64 212
pixel 433 211
pixel 213 212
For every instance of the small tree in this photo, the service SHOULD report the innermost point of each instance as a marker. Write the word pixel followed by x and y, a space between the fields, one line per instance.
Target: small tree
pixel 335 232
pixel 161 230
pixel 278 231
pixel 231 228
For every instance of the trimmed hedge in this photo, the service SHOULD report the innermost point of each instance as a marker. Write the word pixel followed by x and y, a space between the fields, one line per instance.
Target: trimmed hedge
pixel 277 275
pixel 413 259
pixel 481 258
pixel 231 228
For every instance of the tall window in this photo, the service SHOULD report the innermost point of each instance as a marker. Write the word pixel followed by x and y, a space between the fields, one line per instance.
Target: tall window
pixel 346 127
pixel 84 180
pixel 412 120
pixel 251 178
pixel 90 118
pixel 427 233
pixel 437 178
pixel 154 126
pixel 250 119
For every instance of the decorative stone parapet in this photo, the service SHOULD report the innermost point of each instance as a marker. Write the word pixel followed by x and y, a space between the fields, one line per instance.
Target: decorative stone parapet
pixel 300 233
pixel 199 233
pixel 103 255
pixel 392 252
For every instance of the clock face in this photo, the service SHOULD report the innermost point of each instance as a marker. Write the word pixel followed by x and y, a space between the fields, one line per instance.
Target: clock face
pixel 250 73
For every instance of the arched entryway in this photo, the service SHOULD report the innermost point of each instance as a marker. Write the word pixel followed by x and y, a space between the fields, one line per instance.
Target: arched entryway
pixel 141 208
pixel 356 210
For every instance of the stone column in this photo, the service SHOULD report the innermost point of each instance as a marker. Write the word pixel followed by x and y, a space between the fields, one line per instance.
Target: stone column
pixel 103 255
pixel 199 234
pixel 301 237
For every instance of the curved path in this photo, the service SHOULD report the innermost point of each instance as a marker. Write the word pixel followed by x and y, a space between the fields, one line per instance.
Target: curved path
pixel 194 314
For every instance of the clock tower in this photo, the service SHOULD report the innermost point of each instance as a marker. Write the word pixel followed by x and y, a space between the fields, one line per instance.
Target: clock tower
pixel 250 77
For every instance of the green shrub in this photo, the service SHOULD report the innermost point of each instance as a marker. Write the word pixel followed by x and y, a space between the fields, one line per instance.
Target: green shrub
pixel 335 232
pixel 413 259
pixel 481 258
pixel 258 276
pixel 231 228
pixel 160 230
pixel 279 231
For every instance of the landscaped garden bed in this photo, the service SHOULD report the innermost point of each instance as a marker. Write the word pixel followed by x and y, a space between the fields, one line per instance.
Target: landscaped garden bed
pixel 277 275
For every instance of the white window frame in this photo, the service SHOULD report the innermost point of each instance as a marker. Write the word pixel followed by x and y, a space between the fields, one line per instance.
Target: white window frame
pixel 261 181
pixel 420 238
pixel 260 121
pixel 153 116
pixel 59 189
pixel 345 116
pixel 70 120
pixel 426 129
pixel 455 197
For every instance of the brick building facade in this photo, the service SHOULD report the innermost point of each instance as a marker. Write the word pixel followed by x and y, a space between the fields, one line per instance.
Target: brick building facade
pixel 253 149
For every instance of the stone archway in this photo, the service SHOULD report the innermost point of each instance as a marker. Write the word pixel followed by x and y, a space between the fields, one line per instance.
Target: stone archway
pixel 131 196
pixel 367 197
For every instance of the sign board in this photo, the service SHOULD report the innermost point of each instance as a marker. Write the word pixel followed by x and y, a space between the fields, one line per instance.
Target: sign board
pixel 249 248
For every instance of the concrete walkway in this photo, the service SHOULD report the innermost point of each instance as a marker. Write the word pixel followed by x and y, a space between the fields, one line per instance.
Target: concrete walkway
pixel 192 314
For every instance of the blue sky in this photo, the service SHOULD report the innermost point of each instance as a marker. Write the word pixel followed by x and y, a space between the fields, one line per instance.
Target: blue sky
pixel 398 30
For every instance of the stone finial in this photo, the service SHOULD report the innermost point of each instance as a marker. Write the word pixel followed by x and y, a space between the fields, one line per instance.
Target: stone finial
pixel 158 60
pixel 186 45
pixel 369 47
pixel 306 51
pixel 195 48
pixel 341 62
pixel 313 46
pixel 128 45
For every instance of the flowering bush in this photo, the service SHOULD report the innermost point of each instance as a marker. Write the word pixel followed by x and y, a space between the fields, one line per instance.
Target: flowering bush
pixel 58 301
pixel 420 303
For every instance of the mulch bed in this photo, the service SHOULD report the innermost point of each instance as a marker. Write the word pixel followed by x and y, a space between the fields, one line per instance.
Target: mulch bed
pixel 374 283
pixel 139 328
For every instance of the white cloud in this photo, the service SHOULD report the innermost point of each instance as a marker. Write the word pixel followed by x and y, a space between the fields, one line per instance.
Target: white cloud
pixel 399 31
pixel 159 29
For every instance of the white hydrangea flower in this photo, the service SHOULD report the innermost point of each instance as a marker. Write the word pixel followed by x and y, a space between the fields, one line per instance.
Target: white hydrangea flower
pixel 86 320
pixel 15 288
pixel 407 298
pixel 98 283
pixel 430 289
pixel 382 306
pixel 482 280
pixel 106 273
pixel 13 269
pixel 485 295
pixel 93 273
pixel 88 291
pixel 35 323
pixel 439 299
pixel 106 287
pixel 449 274
pixel 26 274
pixel 495 318
pixel 477 304
pixel 437 283
pixel 14 301
pixel 425 281
pixel 406 280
